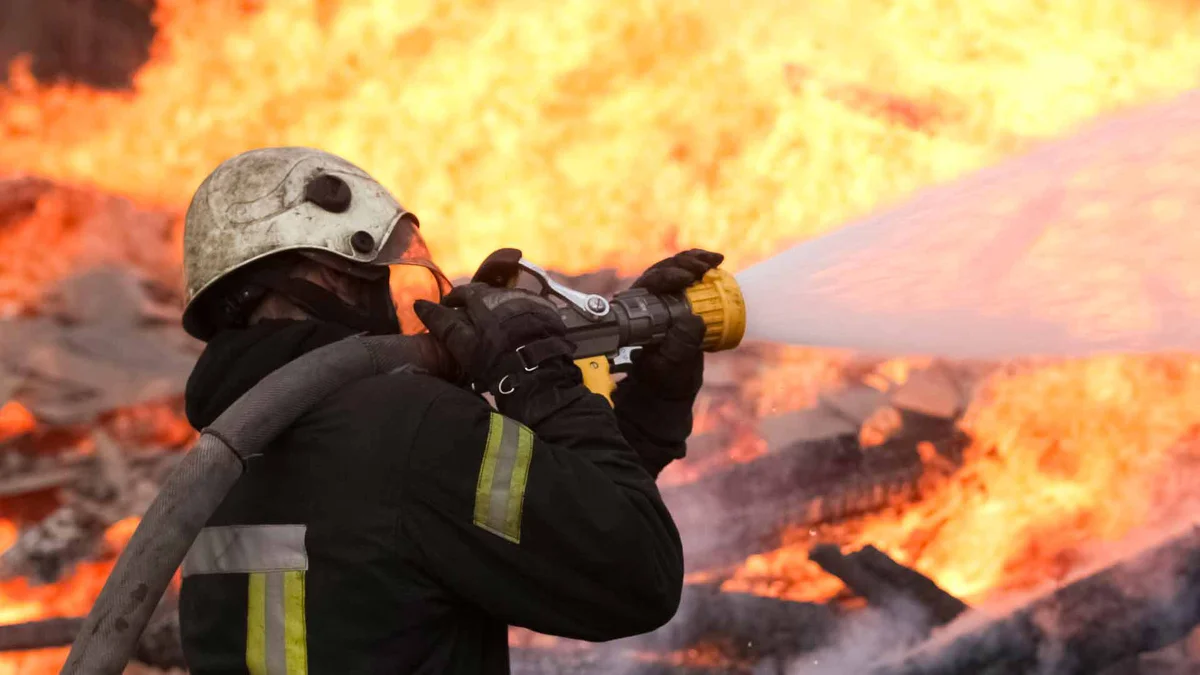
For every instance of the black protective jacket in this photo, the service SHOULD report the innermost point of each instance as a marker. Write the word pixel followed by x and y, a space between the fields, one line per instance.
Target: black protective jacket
pixel 403 524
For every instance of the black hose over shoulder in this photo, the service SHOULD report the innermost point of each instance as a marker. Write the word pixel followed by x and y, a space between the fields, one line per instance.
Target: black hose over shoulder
pixel 200 482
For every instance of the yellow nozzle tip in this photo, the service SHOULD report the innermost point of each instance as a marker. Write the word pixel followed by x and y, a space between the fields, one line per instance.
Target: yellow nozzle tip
pixel 717 299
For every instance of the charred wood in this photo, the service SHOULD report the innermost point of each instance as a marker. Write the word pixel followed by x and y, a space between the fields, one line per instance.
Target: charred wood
pixel 37 481
pixel 603 660
pixel 743 509
pixel 159 647
pixel 21 475
pixel 941 605
pixel 97 491
pixel 48 549
pixel 1138 605
pixel 1178 659
pixel 875 590
pixel 39 634
pixel 883 582
pixel 755 627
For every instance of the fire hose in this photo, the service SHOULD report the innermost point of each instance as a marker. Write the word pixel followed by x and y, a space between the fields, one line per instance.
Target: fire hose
pixel 606 333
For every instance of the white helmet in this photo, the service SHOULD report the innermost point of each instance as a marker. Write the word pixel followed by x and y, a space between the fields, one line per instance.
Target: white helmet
pixel 264 202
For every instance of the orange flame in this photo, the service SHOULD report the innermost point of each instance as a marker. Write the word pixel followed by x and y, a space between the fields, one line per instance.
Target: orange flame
pixel 605 133
pixel 1068 458
pixel 611 133
pixel 20 601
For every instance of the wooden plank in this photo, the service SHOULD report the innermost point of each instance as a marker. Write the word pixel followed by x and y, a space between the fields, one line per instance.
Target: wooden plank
pixel 757 627
pixel 742 509
pixel 941 605
pixel 1141 604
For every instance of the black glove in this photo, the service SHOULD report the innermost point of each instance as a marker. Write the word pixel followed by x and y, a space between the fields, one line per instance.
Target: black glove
pixel 674 368
pixel 500 337
pixel 654 404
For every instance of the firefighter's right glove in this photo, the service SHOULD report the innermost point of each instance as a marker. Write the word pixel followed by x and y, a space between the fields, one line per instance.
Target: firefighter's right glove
pixel 504 339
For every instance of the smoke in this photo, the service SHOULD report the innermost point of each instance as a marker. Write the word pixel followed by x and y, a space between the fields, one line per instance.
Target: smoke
pixel 99 42
pixel 862 638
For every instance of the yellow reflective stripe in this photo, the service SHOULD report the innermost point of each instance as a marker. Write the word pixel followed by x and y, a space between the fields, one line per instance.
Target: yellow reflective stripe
pixel 256 625
pixel 276 628
pixel 487 472
pixel 295 627
pixel 500 491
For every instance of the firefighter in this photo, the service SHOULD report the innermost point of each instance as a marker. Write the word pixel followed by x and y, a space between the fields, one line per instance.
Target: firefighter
pixel 404 523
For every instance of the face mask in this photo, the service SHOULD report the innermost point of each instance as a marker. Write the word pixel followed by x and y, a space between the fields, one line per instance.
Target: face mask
pixel 378 317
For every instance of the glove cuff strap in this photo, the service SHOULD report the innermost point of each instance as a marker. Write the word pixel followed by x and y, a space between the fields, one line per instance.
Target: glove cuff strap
pixel 512 368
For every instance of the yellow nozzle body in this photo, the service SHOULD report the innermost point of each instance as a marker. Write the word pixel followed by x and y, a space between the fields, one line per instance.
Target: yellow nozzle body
pixel 717 299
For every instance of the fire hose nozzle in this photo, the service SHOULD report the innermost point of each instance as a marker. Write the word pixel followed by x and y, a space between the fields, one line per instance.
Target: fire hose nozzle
pixel 717 299
pixel 634 318
pixel 608 332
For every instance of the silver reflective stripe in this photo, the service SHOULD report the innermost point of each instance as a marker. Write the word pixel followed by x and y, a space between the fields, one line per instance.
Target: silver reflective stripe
pixel 506 459
pixel 276 654
pixel 240 549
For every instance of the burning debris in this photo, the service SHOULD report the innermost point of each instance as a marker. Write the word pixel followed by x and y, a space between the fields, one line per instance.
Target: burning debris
pixel 742 509
pixel 1135 606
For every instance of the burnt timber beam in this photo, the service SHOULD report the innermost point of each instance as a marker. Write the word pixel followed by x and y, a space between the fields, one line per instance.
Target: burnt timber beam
pixel 159 645
pixel 747 628
pixel 877 592
pixel 882 582
pixel 743 509
pixel 755 626
pixel 1140 604
pixel 941 605
pixel 43 634
pixel 602 660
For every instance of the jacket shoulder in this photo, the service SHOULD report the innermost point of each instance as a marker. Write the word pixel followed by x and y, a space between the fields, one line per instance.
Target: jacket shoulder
pixel 400 397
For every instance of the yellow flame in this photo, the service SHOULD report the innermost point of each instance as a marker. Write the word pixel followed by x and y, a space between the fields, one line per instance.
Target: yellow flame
pixel 606 133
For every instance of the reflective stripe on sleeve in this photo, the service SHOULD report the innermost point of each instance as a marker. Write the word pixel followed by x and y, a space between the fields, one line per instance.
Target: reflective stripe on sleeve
pixel 500 491
pixel 240 549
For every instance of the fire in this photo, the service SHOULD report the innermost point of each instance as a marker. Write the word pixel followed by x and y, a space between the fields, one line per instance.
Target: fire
pixel 1068 458
pixel 19 601
pixel 606 133
pixel 611 133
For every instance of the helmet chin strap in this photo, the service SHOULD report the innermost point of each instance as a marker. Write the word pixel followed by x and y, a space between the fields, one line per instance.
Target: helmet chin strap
pixel 377 318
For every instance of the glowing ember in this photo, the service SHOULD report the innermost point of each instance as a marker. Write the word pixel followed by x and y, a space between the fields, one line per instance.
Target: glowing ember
pixel 151 424
pixel 15 419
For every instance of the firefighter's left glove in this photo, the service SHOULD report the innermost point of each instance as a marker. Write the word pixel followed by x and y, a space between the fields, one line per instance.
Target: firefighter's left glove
pixel 501 338
pixel 674 368
pixel 654 404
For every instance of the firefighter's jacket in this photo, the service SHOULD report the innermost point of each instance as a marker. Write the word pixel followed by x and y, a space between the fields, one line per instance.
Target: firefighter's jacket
pixel 403 524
